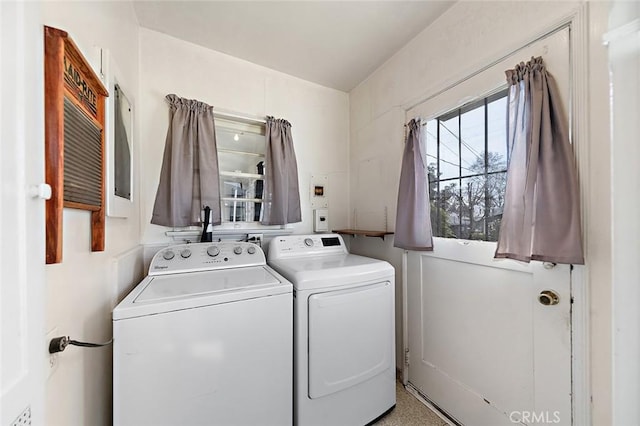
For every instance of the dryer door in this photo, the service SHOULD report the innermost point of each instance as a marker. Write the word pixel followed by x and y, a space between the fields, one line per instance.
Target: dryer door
pixel 351 336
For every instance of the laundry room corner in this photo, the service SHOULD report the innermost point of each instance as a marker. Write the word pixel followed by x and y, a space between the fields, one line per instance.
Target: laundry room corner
pixel 83 288
pixel 211 193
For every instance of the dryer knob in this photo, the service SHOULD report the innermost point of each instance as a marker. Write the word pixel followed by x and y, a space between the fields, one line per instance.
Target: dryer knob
pixel 185 253
pixel 168 255
pixel 251 250
pixel 213 251
pixel 308 242
pixel 237 250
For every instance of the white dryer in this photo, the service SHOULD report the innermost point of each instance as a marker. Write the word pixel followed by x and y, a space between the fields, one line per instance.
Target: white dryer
pixel 344 344
pixel 205 339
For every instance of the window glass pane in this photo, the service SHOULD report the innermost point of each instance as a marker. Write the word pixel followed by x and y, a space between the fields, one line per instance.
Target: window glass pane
pixel 434 203
pixel 472 134
pixel 496 185
pixel 472 208
pixel 241 157
pixel 449 208
pixel 449 151
pixel 497 134
pixel 467 195
pixel 432 149
pixel 240 137
pixel 234 162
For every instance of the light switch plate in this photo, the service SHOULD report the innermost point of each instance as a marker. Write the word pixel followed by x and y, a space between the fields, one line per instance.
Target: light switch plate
pixel 321 220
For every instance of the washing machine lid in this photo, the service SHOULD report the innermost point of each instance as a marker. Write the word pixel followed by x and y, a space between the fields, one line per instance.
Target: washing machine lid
pixel 166 293
pixel 307 273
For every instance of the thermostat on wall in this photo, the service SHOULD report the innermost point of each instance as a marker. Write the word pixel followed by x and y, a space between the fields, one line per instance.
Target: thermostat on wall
pixel 318 194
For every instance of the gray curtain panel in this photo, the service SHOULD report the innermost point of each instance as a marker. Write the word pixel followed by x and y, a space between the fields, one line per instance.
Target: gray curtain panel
pixel 189 176
pixel 541 218
pixel 281 200
pixel 413 217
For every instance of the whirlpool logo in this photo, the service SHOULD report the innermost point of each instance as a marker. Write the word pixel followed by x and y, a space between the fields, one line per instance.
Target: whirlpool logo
pixel 535 417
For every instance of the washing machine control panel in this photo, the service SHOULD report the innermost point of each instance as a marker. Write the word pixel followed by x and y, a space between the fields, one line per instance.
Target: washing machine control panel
pixel 304 245
pixel 205 257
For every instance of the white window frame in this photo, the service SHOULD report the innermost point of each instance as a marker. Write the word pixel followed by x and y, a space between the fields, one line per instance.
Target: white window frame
pixel 459 111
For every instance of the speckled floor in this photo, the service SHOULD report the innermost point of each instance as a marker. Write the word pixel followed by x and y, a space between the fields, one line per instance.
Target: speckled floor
pixel 409 412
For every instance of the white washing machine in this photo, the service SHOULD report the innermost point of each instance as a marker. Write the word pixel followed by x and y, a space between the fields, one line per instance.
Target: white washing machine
pixel 205 339
pixel 344 344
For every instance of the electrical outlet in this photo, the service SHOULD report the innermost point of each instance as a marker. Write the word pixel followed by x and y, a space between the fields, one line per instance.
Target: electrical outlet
pixel 255 238
pixel 51 359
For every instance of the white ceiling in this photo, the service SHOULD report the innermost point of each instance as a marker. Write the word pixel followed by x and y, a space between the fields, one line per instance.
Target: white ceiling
pixel 333 43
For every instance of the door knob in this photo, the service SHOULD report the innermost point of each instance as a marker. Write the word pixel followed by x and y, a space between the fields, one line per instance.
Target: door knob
pixel 548 297
pixel 42 190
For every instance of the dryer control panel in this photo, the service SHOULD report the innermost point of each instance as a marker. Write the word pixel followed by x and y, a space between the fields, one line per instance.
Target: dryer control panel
pixel 305 245
pixel 205 257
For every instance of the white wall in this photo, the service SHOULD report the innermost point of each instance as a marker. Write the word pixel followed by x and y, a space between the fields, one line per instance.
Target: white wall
pixel 624 56
pixel 319 116
pixel 467 37
pixel 82 290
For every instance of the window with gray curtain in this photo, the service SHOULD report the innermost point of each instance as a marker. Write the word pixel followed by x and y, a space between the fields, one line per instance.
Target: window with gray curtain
pixel 281 199
pixel 541 218
pixel 189 176
pixel 413 224
pixel 241 156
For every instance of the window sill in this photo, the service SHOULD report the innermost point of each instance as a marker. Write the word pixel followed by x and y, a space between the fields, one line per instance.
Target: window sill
pixel 229 229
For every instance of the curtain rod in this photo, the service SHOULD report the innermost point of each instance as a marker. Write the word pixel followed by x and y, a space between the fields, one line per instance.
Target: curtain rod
pixel 486 67
pixel 238 116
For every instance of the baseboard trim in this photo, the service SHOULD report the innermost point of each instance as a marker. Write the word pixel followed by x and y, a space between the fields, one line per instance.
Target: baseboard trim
pixel 433 407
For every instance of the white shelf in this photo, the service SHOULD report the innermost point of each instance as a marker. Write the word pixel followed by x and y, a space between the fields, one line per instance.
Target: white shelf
pixel 231 151
pixel 242 175
pixel 242 200
pixel 366 233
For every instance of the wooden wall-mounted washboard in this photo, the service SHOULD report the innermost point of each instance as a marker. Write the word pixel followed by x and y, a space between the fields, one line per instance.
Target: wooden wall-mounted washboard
pixel 74 140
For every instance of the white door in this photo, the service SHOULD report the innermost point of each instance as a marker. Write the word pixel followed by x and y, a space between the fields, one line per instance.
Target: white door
pixel 481 345
pixel 22 348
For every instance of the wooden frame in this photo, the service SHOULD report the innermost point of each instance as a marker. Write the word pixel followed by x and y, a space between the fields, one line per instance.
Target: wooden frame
pixel 68 75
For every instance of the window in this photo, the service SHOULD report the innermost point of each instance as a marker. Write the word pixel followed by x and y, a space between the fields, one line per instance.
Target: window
pixel 241 156
pixel 467 160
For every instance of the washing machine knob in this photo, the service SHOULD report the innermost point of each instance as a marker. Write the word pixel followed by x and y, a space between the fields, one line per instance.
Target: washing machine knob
pixel 185 253
pixel 251 250
pixel 213 251
pixel 237 250
pixel 168 255
pixel 308 242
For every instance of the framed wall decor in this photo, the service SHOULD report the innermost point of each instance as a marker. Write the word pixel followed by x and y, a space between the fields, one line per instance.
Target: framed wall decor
pixel 74 140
